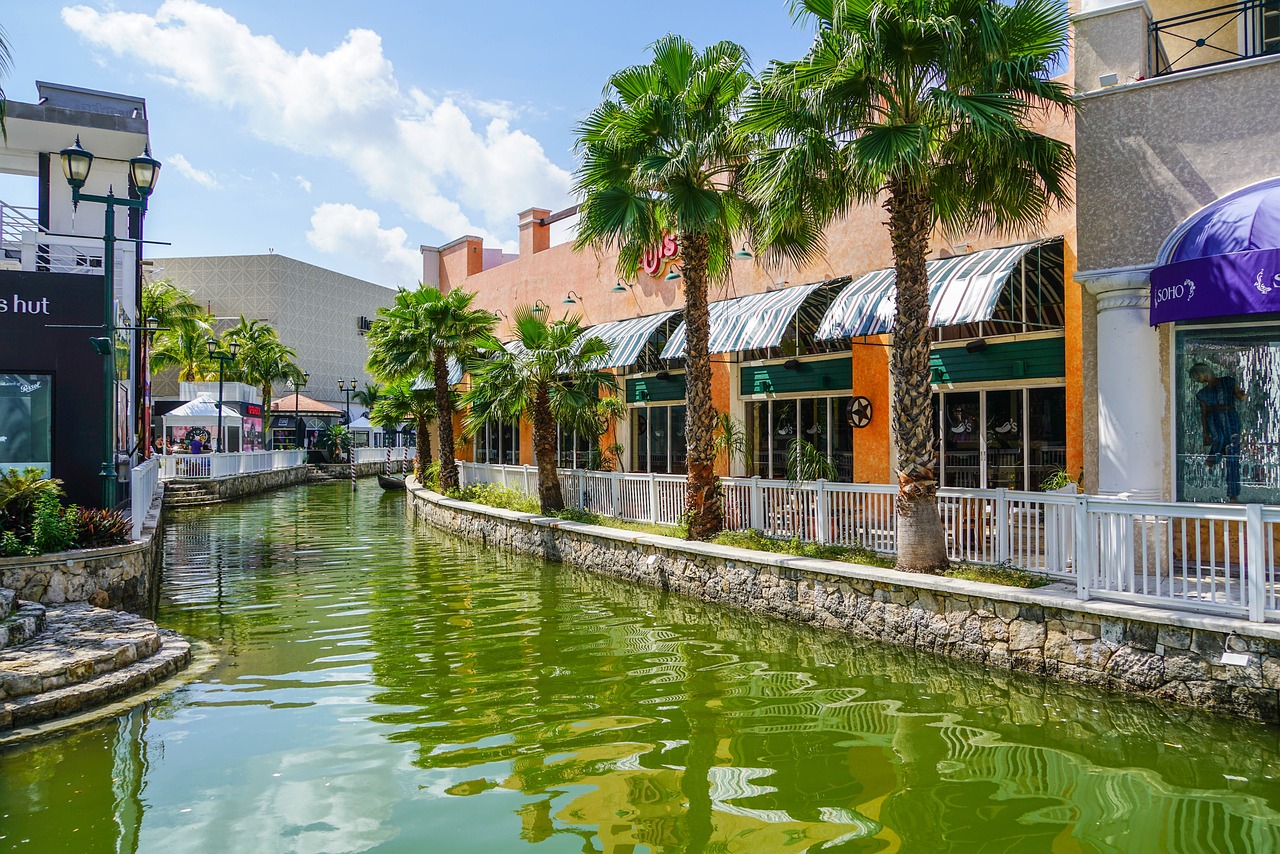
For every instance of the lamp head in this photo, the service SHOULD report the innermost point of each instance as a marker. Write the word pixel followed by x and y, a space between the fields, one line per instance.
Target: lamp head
pixel 145 171
pixel 671 275
pixel 618 288
pixel 743 254
pixel 234 347
pixel 212 345
pixel 76 163
pixel 571 298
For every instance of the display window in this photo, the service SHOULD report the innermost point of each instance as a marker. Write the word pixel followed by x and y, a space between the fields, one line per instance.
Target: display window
pixel 498 443
pixel 1007 438
pixel 658 441
pixel 1227 414
pixel 573 448
pixel 26 422
pixel 774 426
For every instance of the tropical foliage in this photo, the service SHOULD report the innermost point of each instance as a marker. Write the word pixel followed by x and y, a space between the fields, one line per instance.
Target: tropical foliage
pixel 185 348
pixel 415 338
pixel 658 157
pixel 925 107
pixel 33 520
pixel 170 308
pixel 368 396
pixel 6 66
pixel 335 440
pixel 546 377
pixel 263 360
pixel 400 401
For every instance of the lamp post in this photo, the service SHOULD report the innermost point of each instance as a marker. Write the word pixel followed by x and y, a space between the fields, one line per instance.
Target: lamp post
pixel 223 358
pixel 149 328
pixel 143 172
pixel 351 451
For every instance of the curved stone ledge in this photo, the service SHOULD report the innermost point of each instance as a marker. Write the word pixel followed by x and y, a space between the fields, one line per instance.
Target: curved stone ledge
pixel 1163 654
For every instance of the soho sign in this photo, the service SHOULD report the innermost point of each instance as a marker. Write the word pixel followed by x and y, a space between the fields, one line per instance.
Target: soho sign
pixel 658 258
pixel 1186 291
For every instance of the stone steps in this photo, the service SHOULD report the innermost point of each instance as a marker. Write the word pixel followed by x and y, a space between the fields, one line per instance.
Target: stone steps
pixel 7 601
pixel 79 643
pixel 22 624
pixel 173 655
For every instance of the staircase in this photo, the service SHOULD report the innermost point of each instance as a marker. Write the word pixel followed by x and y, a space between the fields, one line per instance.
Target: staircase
pixel 61 660
pixel 180 493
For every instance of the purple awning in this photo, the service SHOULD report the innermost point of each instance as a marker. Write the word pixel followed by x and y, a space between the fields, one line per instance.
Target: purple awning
pixel 1223 260
pixel 1217 286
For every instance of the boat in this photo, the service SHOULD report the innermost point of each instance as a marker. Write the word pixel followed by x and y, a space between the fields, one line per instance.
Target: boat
pixel 389 483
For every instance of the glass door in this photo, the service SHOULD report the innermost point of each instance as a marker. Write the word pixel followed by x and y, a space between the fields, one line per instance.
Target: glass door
pixel 962 440
pixel 1005 446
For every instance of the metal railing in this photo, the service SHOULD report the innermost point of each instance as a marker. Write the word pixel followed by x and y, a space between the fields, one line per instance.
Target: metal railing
pixel 1214 36
pixel 378 455
pixel 212 466
pixel 15 221
pixel 1209 558
pixel 143 480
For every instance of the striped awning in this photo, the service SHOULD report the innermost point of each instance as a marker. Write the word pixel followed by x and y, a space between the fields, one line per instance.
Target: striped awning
pixel 455 376
pixel 752 322
pixel 962 289
pixel 626 338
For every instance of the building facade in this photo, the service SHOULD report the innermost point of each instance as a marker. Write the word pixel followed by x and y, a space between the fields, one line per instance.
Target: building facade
pixel 320 313
pixel 1177 145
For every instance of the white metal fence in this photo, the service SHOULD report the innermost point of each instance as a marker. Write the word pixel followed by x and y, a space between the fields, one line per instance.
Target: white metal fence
pixel 1211 558
pixel 207 466
pixel 379 455
pixel 142 489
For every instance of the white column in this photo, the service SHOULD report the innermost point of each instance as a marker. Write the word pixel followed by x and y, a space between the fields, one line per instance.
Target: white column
pixel 1132 446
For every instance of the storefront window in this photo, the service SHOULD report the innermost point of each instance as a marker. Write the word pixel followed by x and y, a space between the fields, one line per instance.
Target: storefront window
pixel 775 426
pixel 498 443
pixel 658 441
pixel 1001 438
pixel 1227 418
pixel 573 449
pixel 26 422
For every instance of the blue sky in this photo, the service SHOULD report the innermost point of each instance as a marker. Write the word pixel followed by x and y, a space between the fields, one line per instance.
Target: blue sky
pixel 347 134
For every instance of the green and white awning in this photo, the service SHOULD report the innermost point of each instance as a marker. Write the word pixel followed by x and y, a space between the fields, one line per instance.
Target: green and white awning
pixel 962 289
pixel 752 322
pixel 626 338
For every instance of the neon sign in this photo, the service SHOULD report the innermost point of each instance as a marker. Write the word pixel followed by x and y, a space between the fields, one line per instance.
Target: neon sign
pixel 658 259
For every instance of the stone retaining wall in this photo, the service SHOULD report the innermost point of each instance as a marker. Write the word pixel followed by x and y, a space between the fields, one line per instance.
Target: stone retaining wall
pixel 1165 654
pixel 240 485
pixel 124 577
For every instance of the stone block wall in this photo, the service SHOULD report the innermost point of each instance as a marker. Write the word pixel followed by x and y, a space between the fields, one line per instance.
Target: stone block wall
pixel 123 577
pixel 1169 655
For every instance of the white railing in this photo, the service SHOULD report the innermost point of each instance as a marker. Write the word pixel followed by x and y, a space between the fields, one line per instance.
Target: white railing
pixel 211 466
pixel 47 253
pixel 142 489
pixel 379 455
pixel 1210 558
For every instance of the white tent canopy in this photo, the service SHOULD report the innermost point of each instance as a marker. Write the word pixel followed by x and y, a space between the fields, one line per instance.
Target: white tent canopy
pixel 201 412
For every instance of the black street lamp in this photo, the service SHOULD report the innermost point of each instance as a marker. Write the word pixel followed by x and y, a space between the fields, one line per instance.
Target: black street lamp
pixel 144 170
pixel 347 389
pixel 223 358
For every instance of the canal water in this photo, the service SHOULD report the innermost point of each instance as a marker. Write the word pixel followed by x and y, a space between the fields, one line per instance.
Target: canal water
pixel 386 688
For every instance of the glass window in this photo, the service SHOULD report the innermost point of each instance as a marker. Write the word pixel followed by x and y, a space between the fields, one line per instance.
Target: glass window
pixel 1047 433
pixel 1227 419
pixel 26 422
pixel 962 440
pixel 1004 440
pixel 842 438
pixel 498 443
pixel 758 431
pixel 679 442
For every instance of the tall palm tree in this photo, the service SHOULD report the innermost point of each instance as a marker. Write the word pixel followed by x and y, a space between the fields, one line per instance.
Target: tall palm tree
pixel 171 307
pixel 6 66
pixel 368 396
pixel 548 378
pixel 398 401
pixel 416 337
pixel 924 107
pixel 263 360
pixel 186 348
pixel 659 156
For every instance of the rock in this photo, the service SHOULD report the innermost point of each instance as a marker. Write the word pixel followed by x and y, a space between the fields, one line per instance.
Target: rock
pixel 1136 668
pixel 1025 634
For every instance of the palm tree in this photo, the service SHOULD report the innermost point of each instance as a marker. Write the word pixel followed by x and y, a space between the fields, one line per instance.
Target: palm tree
pixel 368 396
pixel 186 348
pixel 658 156
pixel 170 307
pixel 922 106
pixel 263 360
pixel 398 401
pixel 547 379
pixel 416 337
pixel 6 66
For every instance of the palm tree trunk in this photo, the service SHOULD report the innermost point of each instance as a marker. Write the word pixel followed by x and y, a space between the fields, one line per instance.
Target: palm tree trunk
pixel 706 515
pixel 422 459
pixel 922 546
pixel 266 417
pixel 550 498
pixel 444 421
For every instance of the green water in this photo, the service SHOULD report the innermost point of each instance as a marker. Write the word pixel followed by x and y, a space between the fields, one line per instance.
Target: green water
pixel 384 688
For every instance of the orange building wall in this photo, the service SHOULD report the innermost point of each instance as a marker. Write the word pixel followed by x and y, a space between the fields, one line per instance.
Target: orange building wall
pixel 871 459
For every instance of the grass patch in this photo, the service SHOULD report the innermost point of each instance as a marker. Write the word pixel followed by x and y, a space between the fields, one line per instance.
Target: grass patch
pixel 757 540
pixel 589 518
pixel 1006 575
pixel 493 495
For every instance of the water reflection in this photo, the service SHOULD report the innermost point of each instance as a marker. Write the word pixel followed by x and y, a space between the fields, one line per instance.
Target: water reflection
pixel 389 689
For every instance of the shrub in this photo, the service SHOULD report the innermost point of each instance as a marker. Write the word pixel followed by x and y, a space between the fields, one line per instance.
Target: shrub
pixel 19 491
pixel 53 529
pixel 494 495
pixel 758 540
pixel 97 528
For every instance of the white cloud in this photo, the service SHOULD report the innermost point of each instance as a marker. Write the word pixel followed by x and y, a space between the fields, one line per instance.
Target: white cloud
pixel 343 229
pixel 303 183
pixel 455 163
pixel 205 179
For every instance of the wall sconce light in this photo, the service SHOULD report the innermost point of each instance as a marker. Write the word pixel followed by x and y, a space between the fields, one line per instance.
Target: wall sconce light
pixel 977 345
pixel 791 365
pixel 671 275
pixel 620 288
pixel 500 314
pixel 743 254
pixel 662 375
pixel 539 307
pixel 571 298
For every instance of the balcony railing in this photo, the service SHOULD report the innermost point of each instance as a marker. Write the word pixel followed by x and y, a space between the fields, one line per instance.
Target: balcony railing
pixel 1215 36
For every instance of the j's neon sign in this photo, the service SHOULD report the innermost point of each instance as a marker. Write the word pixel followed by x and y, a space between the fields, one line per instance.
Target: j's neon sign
pixel 658 259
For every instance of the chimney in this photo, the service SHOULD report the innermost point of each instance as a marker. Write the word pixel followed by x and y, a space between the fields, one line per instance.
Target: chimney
pixel 460 260
pixel 431 266
pixel 534 236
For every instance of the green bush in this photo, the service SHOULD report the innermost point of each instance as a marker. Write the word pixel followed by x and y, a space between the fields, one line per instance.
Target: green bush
pixel 588 518
pixel 53 529
pixel 759 541
pixel 493 495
